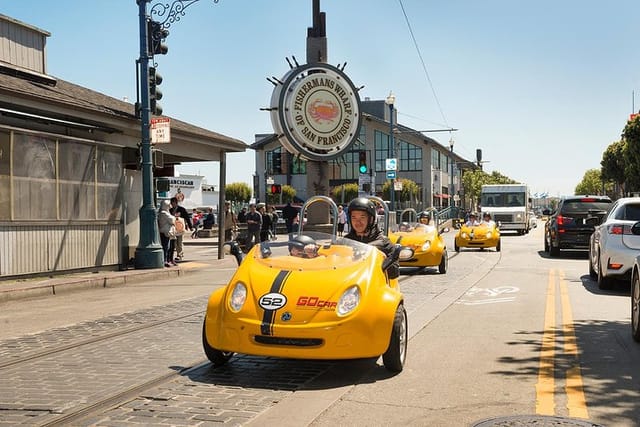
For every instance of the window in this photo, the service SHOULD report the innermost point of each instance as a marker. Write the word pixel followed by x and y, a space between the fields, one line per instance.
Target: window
pixel 410 157
pixel 298 166
pixel 381 143
pixel 59 179
pixel 34 177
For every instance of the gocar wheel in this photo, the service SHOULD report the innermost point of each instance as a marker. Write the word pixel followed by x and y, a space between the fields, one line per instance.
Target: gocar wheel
pixel 442 268
pixel 396 354
pixel 217 357
pixel 499 245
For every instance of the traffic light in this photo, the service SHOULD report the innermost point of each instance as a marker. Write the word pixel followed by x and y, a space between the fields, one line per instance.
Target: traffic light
pixel 276 189
pixel 155 35
pixel 277 162
pixel 154 93
pixel 162 185
pixel 362 155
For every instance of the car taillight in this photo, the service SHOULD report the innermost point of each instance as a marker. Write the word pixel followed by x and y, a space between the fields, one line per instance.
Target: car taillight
pixel 563 220
pixel 619 229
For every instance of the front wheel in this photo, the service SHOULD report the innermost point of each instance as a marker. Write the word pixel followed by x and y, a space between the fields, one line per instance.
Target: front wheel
pixel 444 261
pixel 604 282
pixel 215 356
pixel 546 243
pixel 498 246
pixel 456 247
pixel 592 271
pixel 396 353
pixel 635 306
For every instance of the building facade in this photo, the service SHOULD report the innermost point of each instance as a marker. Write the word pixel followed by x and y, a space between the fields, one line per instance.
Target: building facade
pixel 70 178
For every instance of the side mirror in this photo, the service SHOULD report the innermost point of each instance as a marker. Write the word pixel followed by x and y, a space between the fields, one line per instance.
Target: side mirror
pixel 635 229
pixel 546 212
pixel 233 248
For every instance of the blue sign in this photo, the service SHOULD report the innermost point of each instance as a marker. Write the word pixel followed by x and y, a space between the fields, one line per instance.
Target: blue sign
pixel 391 175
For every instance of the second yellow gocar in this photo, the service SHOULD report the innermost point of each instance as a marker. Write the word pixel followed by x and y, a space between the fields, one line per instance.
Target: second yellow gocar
pixel 424 238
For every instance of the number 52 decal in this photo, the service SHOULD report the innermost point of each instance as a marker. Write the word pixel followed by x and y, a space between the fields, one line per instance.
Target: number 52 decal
pixel 272 301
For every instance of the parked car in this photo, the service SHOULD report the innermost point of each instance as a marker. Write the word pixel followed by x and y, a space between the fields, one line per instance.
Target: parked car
pixel 571 224
pixel 635 291
pixel 533 220
pixel 613 246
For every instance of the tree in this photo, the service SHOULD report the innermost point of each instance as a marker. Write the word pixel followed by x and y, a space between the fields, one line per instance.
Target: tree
pixel 631 136
pixel 238 192
pixel 591 183
pixel 344 193
pixel 287 194
pixel 613 165
pixel 473 180
pixel 410 191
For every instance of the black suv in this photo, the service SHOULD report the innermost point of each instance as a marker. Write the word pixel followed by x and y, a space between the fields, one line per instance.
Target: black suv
pixel 573 221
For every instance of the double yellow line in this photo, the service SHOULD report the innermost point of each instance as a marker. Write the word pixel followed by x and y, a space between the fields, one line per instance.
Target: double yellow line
pixel 545 388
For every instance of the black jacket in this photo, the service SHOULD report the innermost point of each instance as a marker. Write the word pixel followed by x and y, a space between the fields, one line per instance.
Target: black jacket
pixel 375 237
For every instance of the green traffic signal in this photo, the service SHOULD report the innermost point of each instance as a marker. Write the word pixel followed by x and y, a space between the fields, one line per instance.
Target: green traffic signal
pixel 362 157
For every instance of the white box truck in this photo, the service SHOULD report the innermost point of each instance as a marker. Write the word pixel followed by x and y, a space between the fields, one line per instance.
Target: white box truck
pixel 508 204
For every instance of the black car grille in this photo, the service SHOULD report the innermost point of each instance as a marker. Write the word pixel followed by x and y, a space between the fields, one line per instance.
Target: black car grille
pixel 503 217
pixel 294 342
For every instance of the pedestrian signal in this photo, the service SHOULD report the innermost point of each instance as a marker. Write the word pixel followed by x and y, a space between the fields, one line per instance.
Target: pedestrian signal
pixel 276 189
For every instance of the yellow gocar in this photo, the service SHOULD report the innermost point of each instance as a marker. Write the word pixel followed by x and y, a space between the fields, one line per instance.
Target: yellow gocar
pixel 479 236
pixel 429 248
pixel 336 302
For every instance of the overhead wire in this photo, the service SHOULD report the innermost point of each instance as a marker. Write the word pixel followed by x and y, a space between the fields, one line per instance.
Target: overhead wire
pixel 424 66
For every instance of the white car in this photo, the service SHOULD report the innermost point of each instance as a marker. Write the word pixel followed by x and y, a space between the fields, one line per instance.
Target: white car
pixel 533 221
pixel 613 247
pixel 635 292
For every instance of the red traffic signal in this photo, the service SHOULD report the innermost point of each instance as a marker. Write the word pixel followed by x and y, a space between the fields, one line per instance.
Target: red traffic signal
pixel 276 189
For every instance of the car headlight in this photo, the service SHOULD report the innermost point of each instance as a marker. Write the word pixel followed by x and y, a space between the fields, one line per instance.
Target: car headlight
pixel 348 301
pixel 426 245
pixel 519 216
pixel 464 235
pixel 238 296
pixel 489 234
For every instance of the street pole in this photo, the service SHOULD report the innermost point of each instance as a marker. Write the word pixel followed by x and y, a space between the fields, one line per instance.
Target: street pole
pixel 149 253
pixel 451 189
pixel 390 101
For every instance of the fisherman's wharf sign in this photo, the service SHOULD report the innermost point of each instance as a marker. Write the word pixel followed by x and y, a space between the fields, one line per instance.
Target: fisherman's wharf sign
pixel 316 111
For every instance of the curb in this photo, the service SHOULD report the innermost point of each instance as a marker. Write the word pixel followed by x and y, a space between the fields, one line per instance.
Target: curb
pixel 57 286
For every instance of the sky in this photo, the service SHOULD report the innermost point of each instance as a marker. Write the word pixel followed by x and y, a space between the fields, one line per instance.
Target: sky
pixel 542 87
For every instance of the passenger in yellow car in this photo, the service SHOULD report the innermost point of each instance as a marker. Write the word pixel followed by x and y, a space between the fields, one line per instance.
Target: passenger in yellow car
pixel 472 221
pixel 486 220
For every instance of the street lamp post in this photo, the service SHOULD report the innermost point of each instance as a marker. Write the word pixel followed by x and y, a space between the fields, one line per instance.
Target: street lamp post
pixel 391 99
pixel 451 189
pixel 149 253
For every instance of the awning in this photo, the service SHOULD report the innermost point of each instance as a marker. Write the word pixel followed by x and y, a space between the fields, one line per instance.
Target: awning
pixel 441 196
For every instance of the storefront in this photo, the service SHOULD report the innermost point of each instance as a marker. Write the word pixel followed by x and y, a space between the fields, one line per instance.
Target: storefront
pixel 70 179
